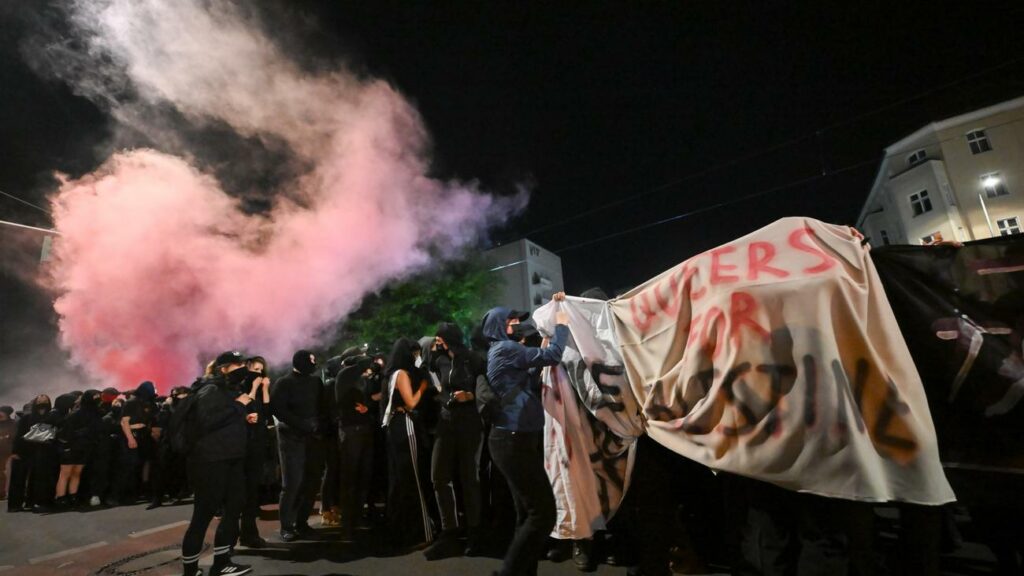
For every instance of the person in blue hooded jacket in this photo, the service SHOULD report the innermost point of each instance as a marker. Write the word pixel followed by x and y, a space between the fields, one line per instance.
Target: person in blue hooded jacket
pixel 516 439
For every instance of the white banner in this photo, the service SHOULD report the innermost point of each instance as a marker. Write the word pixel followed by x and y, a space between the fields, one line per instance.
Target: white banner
pixel 777 356
pixel 591 420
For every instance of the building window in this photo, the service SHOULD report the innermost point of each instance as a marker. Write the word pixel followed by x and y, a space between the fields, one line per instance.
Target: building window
pixel 916 158
pixel 932 238
pixel 994 185
pixel 534 251
pixel 885 237
pixel 920 202
pixel 1008 226
pixel 978 141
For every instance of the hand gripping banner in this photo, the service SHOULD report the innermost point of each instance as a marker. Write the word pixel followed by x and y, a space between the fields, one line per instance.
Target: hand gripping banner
pixel 591 420
pixel 777 357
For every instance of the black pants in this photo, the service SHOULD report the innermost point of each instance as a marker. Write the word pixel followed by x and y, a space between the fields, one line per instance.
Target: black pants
pixel 97 471
pixel 519 456
pixel 253 469
pixel 18 490
pixel 355 470
pixel 301 462
pixel 330 484
pixel 217 486
pixel 45 468
pixel 780 532
pixel 126 476
pixel 408 520
pixel 457 452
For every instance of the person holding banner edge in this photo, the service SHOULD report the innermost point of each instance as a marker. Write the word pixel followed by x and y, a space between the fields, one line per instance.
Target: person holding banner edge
pixel 515 442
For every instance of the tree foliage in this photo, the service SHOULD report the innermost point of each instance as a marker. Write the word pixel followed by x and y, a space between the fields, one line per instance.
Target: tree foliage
pixel 459 292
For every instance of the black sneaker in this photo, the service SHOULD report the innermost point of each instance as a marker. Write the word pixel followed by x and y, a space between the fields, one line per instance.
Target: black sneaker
pixel 253 542
pixel 289 536
pixel 581 556
pixel 229 568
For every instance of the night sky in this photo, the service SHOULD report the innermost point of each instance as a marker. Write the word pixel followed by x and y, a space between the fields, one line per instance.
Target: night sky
pixel 675 106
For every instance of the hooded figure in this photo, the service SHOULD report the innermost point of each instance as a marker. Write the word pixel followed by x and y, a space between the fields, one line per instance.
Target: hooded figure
pixel 516 439
pixel 508 364
pixel 458 442
pixel 298 402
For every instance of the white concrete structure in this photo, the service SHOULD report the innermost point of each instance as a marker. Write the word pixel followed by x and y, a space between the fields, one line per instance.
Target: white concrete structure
pixel 531 274
pixel 957 179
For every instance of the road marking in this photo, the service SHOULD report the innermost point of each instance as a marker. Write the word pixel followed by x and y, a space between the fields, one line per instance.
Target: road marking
pixel 158 529
pixel 8 567
pixel 68 552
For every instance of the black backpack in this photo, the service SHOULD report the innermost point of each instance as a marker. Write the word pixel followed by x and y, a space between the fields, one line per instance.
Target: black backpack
pixel 183 429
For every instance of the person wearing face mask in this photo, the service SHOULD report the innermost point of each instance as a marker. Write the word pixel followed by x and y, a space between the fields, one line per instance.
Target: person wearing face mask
pixel 24 455
pixel 258 389
pixel 356 423
pixel 77 439
pixel 408 519
pixel 136 446
pixel 516 440
pixel 297 402
pixel 456 450
pixel 168 476
pixel 217 464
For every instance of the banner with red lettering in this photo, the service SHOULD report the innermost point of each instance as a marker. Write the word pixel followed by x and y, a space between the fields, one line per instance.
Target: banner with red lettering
pixel 591 420
pixel 777 357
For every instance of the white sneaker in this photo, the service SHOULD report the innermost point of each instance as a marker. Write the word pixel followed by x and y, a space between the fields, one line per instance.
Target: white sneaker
pixel 94 501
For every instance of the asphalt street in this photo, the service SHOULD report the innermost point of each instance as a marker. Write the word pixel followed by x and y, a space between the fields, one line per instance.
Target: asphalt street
pixel 130 540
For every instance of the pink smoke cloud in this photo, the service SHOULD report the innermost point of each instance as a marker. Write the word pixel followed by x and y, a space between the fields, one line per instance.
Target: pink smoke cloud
pixel 158 267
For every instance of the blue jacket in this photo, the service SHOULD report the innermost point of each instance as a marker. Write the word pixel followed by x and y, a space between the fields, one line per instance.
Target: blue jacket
pixel 508 365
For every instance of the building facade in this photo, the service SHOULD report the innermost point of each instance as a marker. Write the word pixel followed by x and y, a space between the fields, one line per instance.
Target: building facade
pixel 530 274
pixel 957 179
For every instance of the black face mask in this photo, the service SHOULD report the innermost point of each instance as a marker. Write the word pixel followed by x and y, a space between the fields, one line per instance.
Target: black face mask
pixel 237 378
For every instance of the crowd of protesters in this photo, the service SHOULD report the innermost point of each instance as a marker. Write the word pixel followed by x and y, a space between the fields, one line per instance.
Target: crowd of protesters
pixel 436 445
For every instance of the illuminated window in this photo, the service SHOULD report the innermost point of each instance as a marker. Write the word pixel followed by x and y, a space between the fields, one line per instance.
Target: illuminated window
pixel 994 185
pixel 932 238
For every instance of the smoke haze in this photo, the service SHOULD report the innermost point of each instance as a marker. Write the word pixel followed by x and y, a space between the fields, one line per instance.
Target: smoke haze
pixel 158 267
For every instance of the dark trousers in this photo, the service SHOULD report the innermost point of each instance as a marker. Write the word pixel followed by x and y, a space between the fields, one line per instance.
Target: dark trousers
pixel 519 456
pixel 783 533
pixel 18 488
pixel 301 461
pixel 329 486
pixel 97 471
pixel 408 521
pixel 355 470
pixel 42 480
pixel 457 452
pixel 217 486
pixel 126 471
pixel 253 469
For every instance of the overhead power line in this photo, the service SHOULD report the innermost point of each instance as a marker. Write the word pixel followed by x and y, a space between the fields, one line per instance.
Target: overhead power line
pixel 26 202
pixel 27 227
pixel 774 148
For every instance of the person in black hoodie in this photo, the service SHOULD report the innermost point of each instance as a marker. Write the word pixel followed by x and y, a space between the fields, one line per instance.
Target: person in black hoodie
pixel 77 437
pixel 20 496
pixel 135 448
pixel 458 441
pixel 255 450
pixel 296 400
pixel 217 463
pixel 356 424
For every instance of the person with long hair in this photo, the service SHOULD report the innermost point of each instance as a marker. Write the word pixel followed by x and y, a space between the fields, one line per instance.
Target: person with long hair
pixel 78 435
pixel 408 520
pixel 23 460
